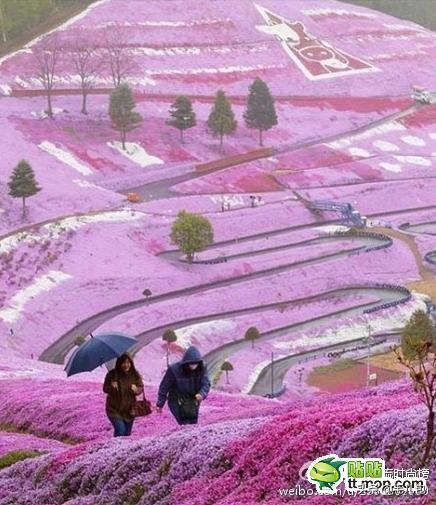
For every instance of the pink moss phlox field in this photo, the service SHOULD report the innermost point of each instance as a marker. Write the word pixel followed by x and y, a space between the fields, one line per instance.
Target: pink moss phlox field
pixel 73 411
pixel 271 456
pixel 243 461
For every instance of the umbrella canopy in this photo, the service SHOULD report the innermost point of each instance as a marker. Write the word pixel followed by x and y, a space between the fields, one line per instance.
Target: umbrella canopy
pixel 98 350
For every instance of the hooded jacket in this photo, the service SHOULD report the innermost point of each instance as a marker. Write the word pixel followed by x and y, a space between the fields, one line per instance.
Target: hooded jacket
pixel 176 382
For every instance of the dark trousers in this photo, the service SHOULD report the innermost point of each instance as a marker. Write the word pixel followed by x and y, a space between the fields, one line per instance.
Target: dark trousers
pixel 175 410
pixel 122 428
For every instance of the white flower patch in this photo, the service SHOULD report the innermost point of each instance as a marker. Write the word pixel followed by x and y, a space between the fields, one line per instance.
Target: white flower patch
pixel 377 130
pixel 400 27
pixel 414 160
pixel 385 146
pixel 213 70
pixel 42 114
pixel 383 321
pixel 5 89
pixel 202 331
pixel 332 228
pixel 41 284
pixel 56 228
pixel 390 167
pixel 169 24
pixel 230 200
pixel 357 151
pixel 86 184
pixel 432 135
pixel 65 157
pixel 413 141
pixel 338 12
pixel 136 153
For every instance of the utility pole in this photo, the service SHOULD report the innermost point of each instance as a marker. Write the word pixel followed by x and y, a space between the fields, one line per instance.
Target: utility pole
pixel 272 375
pixel 368 340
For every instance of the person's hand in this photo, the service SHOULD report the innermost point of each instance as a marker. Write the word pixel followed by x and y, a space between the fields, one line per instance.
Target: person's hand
pixel 198 397
pixel 114 384
pixel 135 388
pixel 158 409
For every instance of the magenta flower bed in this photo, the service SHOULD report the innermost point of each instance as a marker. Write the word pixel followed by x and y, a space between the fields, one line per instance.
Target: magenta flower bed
pixel 244 461
pixel 18 441
pixel 73 410
pixel 270 457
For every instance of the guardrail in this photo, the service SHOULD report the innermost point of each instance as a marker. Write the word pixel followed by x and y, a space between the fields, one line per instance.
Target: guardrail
pixel 430 257
pixel 237 159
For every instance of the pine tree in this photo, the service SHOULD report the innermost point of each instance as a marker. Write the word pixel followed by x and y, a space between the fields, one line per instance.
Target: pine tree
pixel 221 119
pixel 260 114
pixel 22 183
pixel 419 329
pixel 121 110
pixel 182 115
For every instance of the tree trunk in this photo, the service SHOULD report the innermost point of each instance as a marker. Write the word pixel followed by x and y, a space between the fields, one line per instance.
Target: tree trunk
pixel 227 377
pixel 221 141
pixel 252 343
pixel 49 109
pixel 84 97
pixel 190 256
pixel 430 438
pixel 181 136
pixel 260 137
pixel 24 207
pixel 123 140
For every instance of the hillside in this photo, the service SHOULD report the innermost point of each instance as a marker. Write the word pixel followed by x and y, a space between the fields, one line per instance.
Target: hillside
pixel 323 236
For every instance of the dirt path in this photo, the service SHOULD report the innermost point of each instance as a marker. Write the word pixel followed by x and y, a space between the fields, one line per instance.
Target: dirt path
pixel 427 284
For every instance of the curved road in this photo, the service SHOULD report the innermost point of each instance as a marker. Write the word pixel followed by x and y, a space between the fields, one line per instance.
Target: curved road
pixel 271 377
pixel 217 356
pixel 162 189
pixel 56 352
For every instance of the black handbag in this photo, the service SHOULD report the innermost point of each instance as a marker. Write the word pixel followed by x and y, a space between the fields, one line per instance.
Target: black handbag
pixel 188 406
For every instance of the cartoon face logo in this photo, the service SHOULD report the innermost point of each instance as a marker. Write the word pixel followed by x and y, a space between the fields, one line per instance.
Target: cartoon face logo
pixel 325 472
pixel 316 58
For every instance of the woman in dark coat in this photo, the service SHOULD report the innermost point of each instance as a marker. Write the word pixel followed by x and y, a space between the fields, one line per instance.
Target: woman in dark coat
pixel 185 381
pixel 122 385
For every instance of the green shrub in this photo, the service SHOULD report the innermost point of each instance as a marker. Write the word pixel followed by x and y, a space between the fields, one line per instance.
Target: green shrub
pixel 14 456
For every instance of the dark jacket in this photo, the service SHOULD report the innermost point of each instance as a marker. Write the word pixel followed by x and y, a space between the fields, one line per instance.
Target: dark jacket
pixel 119 402
pixel 177 382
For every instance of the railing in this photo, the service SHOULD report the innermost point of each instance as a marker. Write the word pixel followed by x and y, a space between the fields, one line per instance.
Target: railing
pixel 237 159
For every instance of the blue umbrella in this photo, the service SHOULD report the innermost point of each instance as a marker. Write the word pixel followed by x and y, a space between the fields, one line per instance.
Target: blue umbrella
pixel 98 350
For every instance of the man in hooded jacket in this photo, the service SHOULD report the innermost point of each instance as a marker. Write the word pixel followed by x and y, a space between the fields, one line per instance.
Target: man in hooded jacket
pixel 185 382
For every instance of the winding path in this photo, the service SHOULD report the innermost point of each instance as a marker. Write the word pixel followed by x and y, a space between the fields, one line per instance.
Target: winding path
pixel 56 352
pixel 271 377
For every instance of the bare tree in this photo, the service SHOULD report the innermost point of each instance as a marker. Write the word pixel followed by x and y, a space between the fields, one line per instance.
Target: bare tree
pixel 119 57
pixel 417 354
pixel 423 374
pixel 86 63
pixel 46 55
